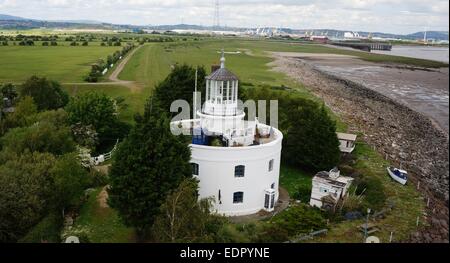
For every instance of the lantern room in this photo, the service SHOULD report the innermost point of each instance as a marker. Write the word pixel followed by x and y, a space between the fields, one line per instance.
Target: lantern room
pixel 221 92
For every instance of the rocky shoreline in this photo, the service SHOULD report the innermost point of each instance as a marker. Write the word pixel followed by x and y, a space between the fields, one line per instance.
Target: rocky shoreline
pixel 404 136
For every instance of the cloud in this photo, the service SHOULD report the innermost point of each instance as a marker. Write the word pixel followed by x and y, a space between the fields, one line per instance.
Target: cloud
pixel 396 16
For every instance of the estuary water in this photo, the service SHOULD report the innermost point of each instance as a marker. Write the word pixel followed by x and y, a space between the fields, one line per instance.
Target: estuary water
pixel 422 52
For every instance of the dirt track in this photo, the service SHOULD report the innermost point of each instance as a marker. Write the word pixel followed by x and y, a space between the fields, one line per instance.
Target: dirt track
pixel 114 76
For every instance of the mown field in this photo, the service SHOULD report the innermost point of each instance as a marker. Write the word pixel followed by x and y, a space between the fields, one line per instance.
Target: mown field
pixel 60 63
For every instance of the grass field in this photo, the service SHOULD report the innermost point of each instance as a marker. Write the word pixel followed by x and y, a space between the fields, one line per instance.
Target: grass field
pixel 60 63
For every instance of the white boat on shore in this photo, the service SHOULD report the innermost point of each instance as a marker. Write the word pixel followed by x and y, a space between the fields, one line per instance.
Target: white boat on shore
pixel 400 176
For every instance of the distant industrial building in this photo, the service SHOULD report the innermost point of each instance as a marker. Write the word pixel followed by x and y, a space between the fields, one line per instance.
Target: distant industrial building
pixel 319 39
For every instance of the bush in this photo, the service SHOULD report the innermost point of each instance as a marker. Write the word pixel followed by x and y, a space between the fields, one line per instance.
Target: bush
pixel 300 219
pixel 272 233
pixel 47 94
pixel 45 44
pixel 98 179
pixel 302 193
pixel 46 231
pixel 373 190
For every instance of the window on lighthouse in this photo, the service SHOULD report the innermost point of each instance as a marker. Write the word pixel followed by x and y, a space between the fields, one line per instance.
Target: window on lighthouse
pixel 238 197
pixel 239 171
pixel 271 165
pixel 195 168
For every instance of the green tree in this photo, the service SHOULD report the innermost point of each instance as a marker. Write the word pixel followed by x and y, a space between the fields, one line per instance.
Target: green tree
pixel 180 85
pixel 9 91
pixel 33 185
pixel 148 164
pixel 48 95
pixel 70 180
pixel 310 140
pixel 184 218
pixel 97 110
pixel 48 134
pixel 24 114
pixel 25 193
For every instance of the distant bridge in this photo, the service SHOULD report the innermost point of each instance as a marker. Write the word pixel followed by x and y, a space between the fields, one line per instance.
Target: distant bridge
pixel 369 46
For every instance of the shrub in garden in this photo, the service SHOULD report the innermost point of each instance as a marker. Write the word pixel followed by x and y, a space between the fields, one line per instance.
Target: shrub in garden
pixel 300 219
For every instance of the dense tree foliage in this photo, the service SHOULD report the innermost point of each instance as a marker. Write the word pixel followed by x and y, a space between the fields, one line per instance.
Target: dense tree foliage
pixel 24 112
pixel 310 141
pixel 32 185
pixel 183 218
pixel 180 85
pixel 47 94
pixel 9 91
pixel 48 134
pixel 40 173
pixel 97 113
pixel 148 164
pixel 300 219
pixel 24 193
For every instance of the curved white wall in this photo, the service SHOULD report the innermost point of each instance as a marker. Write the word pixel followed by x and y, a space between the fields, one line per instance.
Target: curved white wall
pixel 216 172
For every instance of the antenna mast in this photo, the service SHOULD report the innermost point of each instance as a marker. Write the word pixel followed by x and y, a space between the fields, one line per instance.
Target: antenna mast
pixel 216 14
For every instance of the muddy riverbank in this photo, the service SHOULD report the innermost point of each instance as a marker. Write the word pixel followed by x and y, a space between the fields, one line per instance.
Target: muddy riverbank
pixel 405 136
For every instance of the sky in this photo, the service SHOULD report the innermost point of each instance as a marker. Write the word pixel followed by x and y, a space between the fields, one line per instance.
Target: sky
pixel 390 16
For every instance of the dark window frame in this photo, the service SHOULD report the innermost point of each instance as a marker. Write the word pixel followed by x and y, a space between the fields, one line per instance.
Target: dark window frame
pixel 195 169
pixel 238 197
pixel 239 171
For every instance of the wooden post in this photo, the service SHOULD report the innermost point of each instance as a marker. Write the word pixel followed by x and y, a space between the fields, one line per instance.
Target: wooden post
pixel 417 221
pixel 390 238
pixel 428 202
pixel 418 185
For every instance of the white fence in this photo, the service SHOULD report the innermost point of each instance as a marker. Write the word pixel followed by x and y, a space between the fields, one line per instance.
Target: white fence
pixel 88 161
pixel 104 157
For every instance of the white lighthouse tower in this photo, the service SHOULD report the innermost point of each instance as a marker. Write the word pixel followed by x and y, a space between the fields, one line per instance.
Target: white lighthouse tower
pixel 237 162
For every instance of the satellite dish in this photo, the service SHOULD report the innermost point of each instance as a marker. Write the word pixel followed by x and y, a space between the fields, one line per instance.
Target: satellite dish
pixel 372 239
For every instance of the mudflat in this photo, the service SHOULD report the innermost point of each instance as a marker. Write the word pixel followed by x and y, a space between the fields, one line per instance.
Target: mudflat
pixel 422 90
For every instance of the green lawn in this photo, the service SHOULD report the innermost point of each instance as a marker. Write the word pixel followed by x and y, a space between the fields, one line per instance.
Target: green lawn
pixel 292 178
pixel 60 63
pixel 99 224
